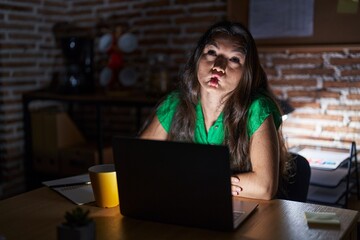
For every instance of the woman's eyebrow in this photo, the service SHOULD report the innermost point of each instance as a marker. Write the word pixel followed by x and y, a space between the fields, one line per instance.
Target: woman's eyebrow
pixel 239 50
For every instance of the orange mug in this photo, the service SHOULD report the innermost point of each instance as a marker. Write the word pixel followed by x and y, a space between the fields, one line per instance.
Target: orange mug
pixel 104 185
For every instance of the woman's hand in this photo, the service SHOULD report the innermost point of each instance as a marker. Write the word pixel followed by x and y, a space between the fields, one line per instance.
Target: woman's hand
pixel 235 188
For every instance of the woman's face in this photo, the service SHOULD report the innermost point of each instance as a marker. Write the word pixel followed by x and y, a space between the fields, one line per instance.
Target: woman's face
pixel 220 66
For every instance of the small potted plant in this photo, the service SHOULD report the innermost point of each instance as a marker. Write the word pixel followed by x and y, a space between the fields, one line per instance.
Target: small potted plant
pixel 78 225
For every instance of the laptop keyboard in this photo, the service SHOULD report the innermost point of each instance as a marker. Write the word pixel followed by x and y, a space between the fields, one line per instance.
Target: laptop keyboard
pixel 237 215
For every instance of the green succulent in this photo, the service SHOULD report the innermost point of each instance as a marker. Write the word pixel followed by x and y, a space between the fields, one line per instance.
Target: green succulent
pixel 77 218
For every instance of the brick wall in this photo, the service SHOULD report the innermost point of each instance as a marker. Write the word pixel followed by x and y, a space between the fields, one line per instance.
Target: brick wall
pixel 27 59
pixel 321 83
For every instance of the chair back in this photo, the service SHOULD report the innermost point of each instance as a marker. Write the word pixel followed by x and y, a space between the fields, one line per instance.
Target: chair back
pixel 298 185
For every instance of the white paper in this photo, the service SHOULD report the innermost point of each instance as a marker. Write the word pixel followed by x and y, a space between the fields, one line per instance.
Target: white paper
pixel 322 218
pixel 79 194
pixel 323 159
pixel 68 180
pixel 281 18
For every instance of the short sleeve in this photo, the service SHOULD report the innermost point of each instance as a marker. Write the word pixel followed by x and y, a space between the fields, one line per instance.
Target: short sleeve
pixel 167 109
pixel 259 110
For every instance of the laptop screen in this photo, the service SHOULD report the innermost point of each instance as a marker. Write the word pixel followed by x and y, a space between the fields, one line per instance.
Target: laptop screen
pixel 174 182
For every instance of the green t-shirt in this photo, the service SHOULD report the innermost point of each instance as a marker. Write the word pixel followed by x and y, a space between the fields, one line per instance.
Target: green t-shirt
pixel 260 109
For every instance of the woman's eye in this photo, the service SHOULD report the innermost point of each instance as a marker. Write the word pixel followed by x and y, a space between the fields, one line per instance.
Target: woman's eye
pixel 211 53
pixel 235 60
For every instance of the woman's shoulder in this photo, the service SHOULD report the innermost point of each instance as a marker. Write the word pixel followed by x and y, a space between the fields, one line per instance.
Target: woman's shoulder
pixel 261 100
pixel 261 107
pixel 171 99
pixel 167 109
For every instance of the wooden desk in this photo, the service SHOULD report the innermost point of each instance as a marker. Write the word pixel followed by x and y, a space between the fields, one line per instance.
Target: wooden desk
pixel 35 215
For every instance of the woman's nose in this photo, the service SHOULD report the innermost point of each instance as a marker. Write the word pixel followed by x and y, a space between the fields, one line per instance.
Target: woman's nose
pixel 220 63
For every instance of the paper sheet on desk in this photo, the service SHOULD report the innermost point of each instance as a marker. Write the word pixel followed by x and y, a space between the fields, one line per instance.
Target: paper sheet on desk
pixel 79 194
pixel 322 218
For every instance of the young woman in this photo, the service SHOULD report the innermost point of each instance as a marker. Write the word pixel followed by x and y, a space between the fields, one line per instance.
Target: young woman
pixel 223 97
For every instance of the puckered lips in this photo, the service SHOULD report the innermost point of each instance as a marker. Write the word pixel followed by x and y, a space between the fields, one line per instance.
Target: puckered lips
pixel 215 78
pixel 214 81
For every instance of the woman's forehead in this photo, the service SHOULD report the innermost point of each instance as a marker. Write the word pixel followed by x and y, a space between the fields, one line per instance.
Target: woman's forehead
pixel 236 41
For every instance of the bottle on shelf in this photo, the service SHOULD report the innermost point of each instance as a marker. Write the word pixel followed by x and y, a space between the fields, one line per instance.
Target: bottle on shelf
pixel 156 75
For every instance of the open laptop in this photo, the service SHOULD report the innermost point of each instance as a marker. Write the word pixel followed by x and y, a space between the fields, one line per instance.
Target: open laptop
pixel 178 183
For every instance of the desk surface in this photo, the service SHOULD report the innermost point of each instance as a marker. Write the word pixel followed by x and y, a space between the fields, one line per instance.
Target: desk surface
pixel 35 215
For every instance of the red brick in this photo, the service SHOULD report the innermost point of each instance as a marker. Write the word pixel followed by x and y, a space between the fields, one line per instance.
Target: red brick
pixel 112 9
pixel 341 84
pixel 15 8
pixel 354 50
pixel 165 12
pixel 288 124
pixel 355 119
pixel 344 107
pixel 26 55
pixel 51 12
pixel 297 104
pixel 352 72
pixel 59 4
pixel 327 94
pixel 270 71
pixel 10 102
pixel 316 49
pixel 17 26
pixel 18 83
pixel 196 29
pixel 29 1
pixel 269 50
pixel 162 30
pixel 158 3
pixel 79 12
pixel 308 71
pixel 294 82
pixel 318 116
pixel 152 21
pixel 310 137
pixel 88 3
pixel 300 60
pixel 341 129
pixel 4 74
pixel 192 19
pixel 344 61
pixel 183 2
pixel 314 94
pixel 353 96
pixel 186 40
pixel 207 9
pixel 153 41
pixel 27 18
pixel 25 36
pixel 18 64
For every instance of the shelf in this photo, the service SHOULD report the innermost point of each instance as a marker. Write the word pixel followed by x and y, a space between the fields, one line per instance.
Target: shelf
pixel 330 179
pixel 333 186
pixel 327 195
pixel 136 100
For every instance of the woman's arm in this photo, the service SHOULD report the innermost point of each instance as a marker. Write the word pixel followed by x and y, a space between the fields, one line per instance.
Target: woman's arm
pixel 262 181
pixel 154 131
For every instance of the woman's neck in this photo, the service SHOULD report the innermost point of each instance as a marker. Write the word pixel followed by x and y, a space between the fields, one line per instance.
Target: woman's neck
pixel 212 106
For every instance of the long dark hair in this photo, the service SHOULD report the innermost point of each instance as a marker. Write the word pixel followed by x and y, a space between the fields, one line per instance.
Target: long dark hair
pixel 253 81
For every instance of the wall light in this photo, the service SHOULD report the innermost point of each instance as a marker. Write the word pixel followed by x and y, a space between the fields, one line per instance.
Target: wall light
pixel 285 107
